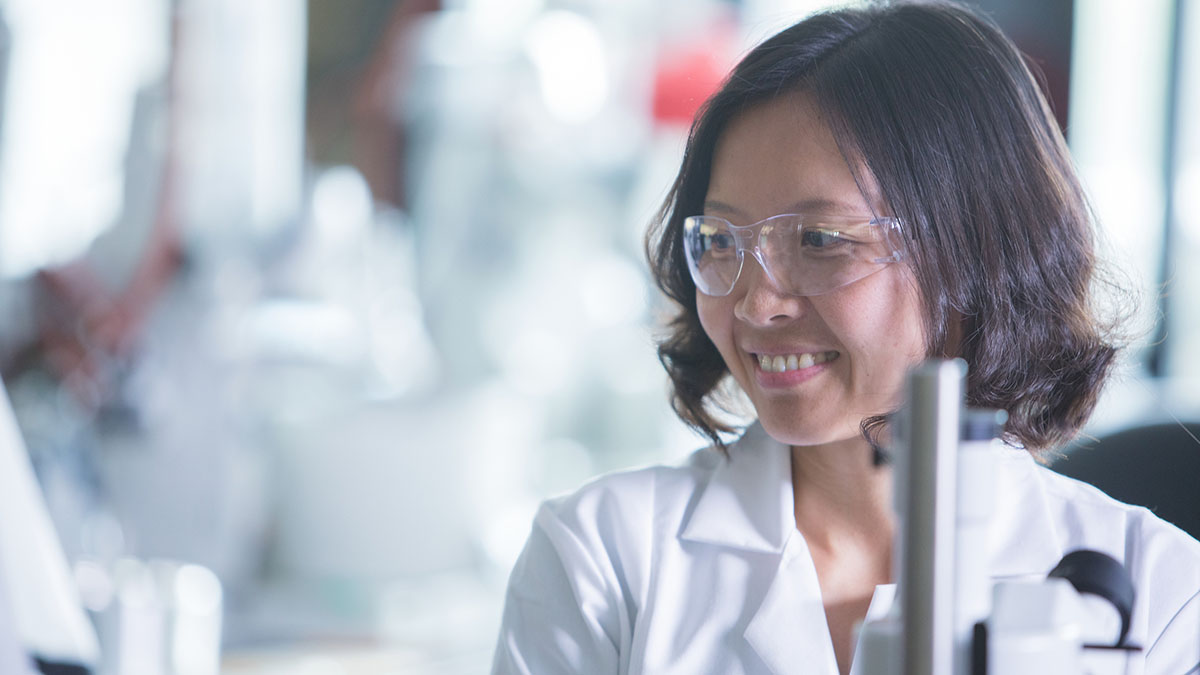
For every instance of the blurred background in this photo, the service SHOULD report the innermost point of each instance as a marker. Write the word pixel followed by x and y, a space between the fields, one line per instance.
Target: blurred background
pixel 324 297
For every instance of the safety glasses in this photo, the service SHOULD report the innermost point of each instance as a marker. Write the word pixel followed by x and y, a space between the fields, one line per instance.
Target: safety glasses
pixel 802 255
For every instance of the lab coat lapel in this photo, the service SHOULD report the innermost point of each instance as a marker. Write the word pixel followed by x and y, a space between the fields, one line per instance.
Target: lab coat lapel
pixel 748 501
pixel 748 504
pixel 789 632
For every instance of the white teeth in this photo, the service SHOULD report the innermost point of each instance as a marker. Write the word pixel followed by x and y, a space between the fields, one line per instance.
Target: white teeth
pixel 780 364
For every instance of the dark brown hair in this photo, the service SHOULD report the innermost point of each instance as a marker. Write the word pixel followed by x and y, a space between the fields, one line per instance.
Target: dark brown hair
pixel 939 106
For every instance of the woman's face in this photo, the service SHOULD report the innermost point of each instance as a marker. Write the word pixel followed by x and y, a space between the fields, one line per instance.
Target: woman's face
pixel 780 157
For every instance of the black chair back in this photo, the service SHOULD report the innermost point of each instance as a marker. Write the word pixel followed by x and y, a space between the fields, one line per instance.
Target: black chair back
pixel 1156 466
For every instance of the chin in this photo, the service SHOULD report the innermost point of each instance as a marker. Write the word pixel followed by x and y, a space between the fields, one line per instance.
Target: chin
pixel 798 433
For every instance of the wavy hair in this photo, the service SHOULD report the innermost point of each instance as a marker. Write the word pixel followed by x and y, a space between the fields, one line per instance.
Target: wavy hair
pixel 941 109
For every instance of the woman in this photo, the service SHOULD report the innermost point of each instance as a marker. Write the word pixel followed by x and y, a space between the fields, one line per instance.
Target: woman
pixel 869 188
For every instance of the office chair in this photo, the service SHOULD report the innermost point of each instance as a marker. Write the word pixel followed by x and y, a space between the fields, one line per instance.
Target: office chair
pixel 1155 465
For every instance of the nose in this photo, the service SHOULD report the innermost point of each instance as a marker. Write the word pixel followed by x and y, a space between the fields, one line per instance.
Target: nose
pixel 759 301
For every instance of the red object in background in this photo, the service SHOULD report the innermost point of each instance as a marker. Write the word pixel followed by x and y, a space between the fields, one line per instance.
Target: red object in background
pixel 686 75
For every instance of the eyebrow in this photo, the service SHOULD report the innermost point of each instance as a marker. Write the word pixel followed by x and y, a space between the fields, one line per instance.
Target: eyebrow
pixel 818 205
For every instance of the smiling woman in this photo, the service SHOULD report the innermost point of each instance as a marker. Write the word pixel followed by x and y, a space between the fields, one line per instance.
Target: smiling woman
pixel 870 188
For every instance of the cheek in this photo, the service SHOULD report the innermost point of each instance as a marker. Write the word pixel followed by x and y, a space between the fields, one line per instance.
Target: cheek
pixel 905 343
pixel 716 318
pixel 884 332
pixel 910 320
pixel 896 302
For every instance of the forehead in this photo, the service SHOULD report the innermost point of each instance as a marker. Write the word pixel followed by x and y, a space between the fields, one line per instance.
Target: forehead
pixel 781 156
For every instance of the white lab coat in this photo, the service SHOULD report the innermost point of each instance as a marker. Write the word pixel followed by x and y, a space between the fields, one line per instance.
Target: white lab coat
pixel 700 569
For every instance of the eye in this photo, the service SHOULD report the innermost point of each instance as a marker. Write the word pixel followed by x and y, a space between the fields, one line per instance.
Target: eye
pixel 720 242
pixel 821 239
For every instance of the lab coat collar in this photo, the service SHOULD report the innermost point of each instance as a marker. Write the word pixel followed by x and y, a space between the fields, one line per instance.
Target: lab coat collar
pixel 748 500
pixel 793 607
pixel 748 504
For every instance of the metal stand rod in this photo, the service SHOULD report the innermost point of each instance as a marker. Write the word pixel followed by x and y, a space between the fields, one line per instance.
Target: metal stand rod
pixel 927 570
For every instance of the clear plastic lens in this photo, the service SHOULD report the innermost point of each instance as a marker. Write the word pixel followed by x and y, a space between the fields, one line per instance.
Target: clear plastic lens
pixel 801 255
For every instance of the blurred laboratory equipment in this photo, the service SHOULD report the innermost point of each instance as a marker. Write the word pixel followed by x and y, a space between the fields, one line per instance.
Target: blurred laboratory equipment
pixel 119 352
pixel 154 617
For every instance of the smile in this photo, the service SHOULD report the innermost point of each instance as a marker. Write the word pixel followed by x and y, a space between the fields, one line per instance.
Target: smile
pixel 784 362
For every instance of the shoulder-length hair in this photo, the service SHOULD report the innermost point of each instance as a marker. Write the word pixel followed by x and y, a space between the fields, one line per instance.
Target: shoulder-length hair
pixel 940 108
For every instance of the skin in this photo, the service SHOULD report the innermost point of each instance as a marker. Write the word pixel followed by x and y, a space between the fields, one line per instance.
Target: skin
pixel 781 157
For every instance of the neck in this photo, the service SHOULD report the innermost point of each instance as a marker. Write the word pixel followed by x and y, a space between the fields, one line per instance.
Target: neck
pixel 841 497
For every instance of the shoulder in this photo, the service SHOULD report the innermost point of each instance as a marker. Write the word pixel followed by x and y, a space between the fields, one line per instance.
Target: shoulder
pixel 587 564
pixel 629 503
pixel 1085 514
